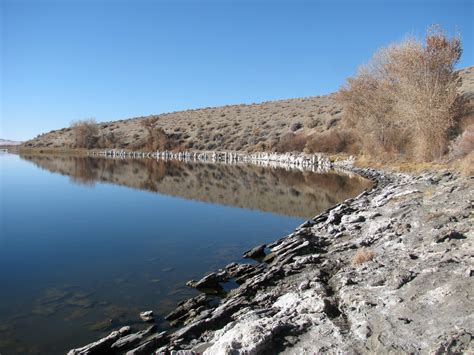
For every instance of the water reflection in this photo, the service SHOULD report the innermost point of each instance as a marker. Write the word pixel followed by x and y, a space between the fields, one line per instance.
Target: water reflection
pixel 276 190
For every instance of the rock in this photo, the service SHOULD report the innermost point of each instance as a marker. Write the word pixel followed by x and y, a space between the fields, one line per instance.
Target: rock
pixel 184 308
pixel 257 252
pixel 304 285
pixel 149 344
pixel 306 224
pixel 443 236
pixel 99 347
pixel 209 282
pixel 241 272
pixel 352 218
pixel 133 339
pixel 459 343
pixel 147 316
pixel 403 277
pixel 334 217
pixel 124 330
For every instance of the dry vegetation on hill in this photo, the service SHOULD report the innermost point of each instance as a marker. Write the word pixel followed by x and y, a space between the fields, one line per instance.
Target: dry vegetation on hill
pixel 276 125
pixel 408 101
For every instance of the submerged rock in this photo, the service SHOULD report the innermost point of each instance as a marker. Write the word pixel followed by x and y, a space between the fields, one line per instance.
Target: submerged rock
pixel 147 316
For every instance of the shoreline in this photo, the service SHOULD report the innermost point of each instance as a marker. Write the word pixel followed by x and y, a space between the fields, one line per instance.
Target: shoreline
pixel 295 160
pixel 307 296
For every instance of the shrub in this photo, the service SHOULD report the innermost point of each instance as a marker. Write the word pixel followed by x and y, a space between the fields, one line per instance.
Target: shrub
pixel 405 100
pixel 85 133
pixel 291 142
pixel 314 123
pixel 157 139
pixel 335 141
pixel 466 164
pixel 295 126
pixel 362 256
pixel 464 144
pixel 108 140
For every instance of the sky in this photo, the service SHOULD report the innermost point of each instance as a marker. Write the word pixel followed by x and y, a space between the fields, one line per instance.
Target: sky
pixel 64 60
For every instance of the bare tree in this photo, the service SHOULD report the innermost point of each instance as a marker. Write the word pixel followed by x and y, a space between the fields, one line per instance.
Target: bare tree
pixel 405 100
pixel 85 133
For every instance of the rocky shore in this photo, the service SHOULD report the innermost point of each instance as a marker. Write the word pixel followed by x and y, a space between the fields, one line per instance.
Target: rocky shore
pixel 389 271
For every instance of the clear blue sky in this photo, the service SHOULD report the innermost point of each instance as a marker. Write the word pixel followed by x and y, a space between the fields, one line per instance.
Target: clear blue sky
pixel 67 60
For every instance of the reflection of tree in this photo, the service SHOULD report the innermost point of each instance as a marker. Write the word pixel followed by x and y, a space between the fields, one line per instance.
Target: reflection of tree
pixel 85 172
pixel 274 190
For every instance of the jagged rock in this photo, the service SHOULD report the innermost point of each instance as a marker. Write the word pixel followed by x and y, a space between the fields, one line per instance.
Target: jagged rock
pixel 133 339
pixel 257 252
pixel 149 344
pixel 181 312
pixel 209 282
pixel 241 272
pixel 334 217
pixel 99 347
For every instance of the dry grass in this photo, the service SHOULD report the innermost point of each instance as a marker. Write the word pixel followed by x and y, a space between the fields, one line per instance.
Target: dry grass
pixel 362 256
pixel 465 165
pixel 334 141
pixel 398 164
pixel 464 144
pixel 53 151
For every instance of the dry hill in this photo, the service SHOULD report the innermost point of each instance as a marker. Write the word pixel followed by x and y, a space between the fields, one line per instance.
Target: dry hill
pixel 311 124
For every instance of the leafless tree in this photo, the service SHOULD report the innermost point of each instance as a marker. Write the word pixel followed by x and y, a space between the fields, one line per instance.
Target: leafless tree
pixel 405 100
pixel 85 132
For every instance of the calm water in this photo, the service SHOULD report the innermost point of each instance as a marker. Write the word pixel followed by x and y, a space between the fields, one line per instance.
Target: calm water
pixel 86 244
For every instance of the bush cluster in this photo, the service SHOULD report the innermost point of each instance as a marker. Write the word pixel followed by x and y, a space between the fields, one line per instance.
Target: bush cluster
pixel 85 133
pixel 405 100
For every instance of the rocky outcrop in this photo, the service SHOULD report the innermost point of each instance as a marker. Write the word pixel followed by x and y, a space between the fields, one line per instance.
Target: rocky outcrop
pixel 409 290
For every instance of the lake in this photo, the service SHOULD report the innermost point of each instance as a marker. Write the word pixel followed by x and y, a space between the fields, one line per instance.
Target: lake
pixel 88 243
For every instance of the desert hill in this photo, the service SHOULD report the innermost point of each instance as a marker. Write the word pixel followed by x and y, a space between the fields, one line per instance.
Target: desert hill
pixel 311 124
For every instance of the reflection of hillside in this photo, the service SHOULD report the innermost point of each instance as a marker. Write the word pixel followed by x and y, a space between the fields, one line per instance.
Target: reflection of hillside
pixel 292 193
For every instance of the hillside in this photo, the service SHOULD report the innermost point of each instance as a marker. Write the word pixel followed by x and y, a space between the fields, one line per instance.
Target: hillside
pixel 311 123
pixel 233 127
pixel 7 142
